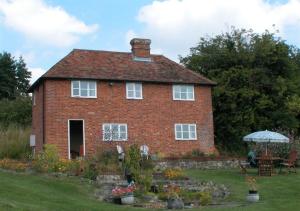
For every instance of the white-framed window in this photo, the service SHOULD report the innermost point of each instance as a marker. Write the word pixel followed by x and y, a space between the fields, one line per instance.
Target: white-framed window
pixel 183 92
pixel 134 91
pixel 114 132
pixel 185 132
pixel 85 89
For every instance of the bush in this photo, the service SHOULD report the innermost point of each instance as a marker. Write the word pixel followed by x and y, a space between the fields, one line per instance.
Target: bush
pixel 16 111
pixel 90 170
pixel 107 162
pixel 173 174
pixel 205 198
pixel 14 165
pixel 48 160
pixel 14 142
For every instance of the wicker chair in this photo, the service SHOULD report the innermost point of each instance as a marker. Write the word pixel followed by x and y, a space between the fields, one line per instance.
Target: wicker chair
pixel 290 163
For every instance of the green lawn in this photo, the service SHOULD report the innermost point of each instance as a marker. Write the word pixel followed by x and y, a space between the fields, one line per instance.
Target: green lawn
pixel 38 192
pixel 280 192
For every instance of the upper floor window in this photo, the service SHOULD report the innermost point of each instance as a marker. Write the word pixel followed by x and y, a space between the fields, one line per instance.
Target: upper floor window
pixel 85 89
pixel 134 91
pixel 185 132
pixel 183 92
pixel 114 132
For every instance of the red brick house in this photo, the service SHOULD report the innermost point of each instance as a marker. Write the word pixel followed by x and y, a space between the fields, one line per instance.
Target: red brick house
pixel 94 100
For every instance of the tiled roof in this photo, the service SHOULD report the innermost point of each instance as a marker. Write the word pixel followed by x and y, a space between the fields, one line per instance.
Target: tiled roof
pixel 119 66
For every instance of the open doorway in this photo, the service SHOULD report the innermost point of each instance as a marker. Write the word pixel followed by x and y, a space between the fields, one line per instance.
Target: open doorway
pixel 76 139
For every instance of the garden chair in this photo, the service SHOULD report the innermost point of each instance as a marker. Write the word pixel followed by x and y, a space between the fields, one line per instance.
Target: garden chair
pixel 290 163
pixel 121 153
pixel 243 166
pixel 144 151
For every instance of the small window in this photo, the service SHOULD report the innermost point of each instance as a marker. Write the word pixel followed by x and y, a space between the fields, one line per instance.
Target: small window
pixel 114 132
pixel 183 92
pixel 85 89
pixel 134 91
pixel 185 132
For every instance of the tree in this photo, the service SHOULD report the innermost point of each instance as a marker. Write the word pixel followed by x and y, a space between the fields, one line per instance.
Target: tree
pixel 258 78
pixel 14 77
pixel 15 104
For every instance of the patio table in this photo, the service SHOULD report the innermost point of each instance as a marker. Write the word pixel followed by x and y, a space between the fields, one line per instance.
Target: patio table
pixel 266 166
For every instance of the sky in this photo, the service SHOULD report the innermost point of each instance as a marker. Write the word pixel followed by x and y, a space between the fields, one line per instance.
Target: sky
pixel 44 31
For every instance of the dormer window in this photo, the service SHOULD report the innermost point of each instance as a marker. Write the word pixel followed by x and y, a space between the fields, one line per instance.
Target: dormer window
pixel 84 89
pixel 134 91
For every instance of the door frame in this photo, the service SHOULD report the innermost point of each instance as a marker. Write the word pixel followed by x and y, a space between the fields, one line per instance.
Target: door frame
pixel 83 136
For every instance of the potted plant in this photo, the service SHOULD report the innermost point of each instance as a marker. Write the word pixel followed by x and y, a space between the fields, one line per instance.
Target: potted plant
pixel 174 201
pixel 124 193
pixel 253 195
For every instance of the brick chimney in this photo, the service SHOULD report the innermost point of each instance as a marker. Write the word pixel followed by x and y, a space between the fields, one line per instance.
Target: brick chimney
pixel 140 48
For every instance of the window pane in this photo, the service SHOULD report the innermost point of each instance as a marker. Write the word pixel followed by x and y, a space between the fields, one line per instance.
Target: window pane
pixel 178 128
pixel 92 85
pixel 130 94
pixel 75 84
pixel 183 95
pixel 92 93
pixel 122 128
pixel 190 95
pixel 83 85
pixel 185 128
pixel 76 92
pixel 138 94
pixel 123 136
pixel 189 88
pixel 130 86
pixel 177 95
pixel 185 135
pixel 192 128
pixel 176 88
pixel 178 134
pixel 83 92
pixel 183 88
pixel 138 87
pixel 192 135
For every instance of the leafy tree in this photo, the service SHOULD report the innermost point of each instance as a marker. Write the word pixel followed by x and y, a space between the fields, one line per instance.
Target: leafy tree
pixel 258 78
pixel 14 77
pixel 15 104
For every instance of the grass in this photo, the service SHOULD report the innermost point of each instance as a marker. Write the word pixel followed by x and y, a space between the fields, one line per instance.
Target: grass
pixel 39 192
pixel 14 142
pixel 279 192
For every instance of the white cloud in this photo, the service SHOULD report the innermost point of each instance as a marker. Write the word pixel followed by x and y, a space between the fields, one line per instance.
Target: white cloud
pixel 36 72
pixel 43 23
pixel 177 25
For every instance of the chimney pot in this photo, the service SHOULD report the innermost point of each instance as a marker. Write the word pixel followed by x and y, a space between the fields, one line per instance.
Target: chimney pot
pixel 140 48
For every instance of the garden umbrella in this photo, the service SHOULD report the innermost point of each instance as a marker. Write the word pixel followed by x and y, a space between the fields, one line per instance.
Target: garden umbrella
pixel 266 137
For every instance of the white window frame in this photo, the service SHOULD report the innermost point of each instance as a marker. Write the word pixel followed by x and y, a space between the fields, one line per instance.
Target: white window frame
pixel 189 130
pixel 110 125
pixel 88 89
pixel 180 86
pixel 134 91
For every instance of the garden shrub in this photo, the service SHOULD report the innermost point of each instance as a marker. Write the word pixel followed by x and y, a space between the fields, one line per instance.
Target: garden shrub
pixel 15 165
pixel 90 170
pixel 14 142
pixel 107 162
pixel 173 173
pixel 48 160
pixel 205 198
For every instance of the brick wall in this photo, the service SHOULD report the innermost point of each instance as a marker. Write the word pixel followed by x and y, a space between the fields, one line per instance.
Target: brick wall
pixel 150 121
pixel 37 117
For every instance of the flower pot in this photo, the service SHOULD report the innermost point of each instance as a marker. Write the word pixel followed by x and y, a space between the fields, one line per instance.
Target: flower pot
pixel 253 196
pixel 127 199
pixel 175 203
